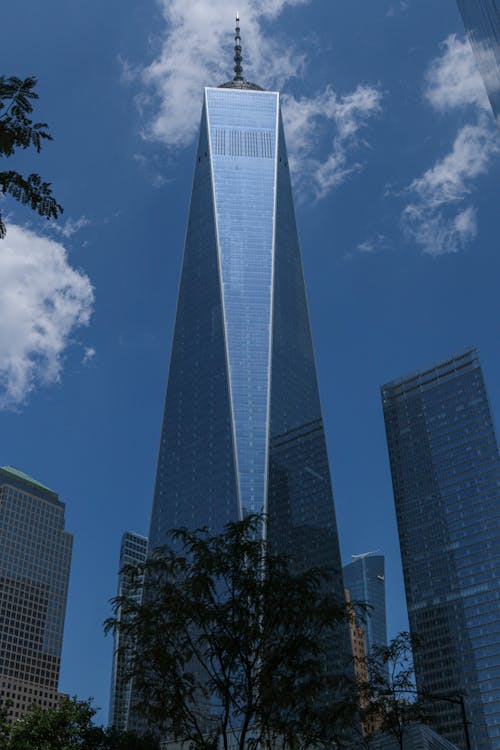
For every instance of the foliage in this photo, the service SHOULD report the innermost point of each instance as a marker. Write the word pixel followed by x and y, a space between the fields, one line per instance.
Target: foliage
pixel 389 701
pixel 231 643
pixel 68 726
pixel 18 131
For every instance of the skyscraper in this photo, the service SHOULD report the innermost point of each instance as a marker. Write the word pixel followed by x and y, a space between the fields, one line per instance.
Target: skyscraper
pixel 446 477
pixel 365 579
pixel 133 550
pixel 242 427
pixel 482 23
pixel 35 557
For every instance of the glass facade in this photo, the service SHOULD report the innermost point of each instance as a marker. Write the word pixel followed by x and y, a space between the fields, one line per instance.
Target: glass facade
pixel 242 427
pixel 35 557
pixel 446 477
pixel 416 737
pixel 482 23
pixel 132 551
pixel 365 579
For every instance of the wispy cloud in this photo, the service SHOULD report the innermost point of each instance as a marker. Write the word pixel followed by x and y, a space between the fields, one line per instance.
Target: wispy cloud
pixel 197 49
pixel 370 246
pixel 395 8
pixel 42 301
pixel 337 119
pixel 70 227
pixel 439 217
pixel 88 354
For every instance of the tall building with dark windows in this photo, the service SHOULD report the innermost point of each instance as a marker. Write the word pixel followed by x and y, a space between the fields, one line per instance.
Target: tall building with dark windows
pixel 133 550
pixel 242 427
pixel 446 477
pixel 35 557
pixel 482 24
pixel 364 577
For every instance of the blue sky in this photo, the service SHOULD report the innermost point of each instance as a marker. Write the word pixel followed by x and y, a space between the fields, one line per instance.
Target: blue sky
pixel 396 165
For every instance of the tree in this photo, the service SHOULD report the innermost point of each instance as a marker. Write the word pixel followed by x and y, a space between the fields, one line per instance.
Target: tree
pixel 389 702
pixel 67 726
pixel 230 644
pixel 18 131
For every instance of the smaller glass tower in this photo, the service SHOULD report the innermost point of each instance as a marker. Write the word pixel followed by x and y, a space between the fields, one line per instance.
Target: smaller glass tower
pixel 35 557
pixel 365 579
pixel 133 550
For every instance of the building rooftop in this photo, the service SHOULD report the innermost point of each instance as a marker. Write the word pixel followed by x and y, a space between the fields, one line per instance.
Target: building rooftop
pixel 20 476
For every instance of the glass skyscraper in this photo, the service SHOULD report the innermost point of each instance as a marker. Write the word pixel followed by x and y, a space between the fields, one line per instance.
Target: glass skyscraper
pixel 365 579
pixel 446 477
pixel 482 23
pixel 242 427
pixel 35 557
pixel 133 550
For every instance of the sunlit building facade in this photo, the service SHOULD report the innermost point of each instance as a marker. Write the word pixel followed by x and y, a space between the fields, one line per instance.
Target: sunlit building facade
pixel 35 557
pixel 482 23
pixel 446 478
pixel 133 551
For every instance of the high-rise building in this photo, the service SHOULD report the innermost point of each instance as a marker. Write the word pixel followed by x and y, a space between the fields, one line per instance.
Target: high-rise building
pixel 133 551
pixel 365 579
pixel 242 427
pixel 482 23
pixel 35 557
pixel 446 478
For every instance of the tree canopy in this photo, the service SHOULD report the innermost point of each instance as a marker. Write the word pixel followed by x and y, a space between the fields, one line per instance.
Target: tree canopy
pixel 231 644
pixel 389 697
pixel 18 131
pixel 68 726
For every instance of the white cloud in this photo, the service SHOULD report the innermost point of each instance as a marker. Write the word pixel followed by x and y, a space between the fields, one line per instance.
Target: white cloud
pixel 309 119
pixel 435 218
pixel 197 50
pixel 42 301
pixel 373 244
pixel 88 354
pixel 453 79
pixel 70 226
pixel 398 7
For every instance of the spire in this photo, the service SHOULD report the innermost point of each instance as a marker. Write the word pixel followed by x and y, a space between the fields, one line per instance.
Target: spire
pixel 238 69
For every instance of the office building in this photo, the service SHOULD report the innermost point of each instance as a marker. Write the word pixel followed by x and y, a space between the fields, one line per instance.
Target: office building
pixel 446 478
pixel 242 427
pixel 365 579
pixel 482 24
pixel 133 551
pixel 35 557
